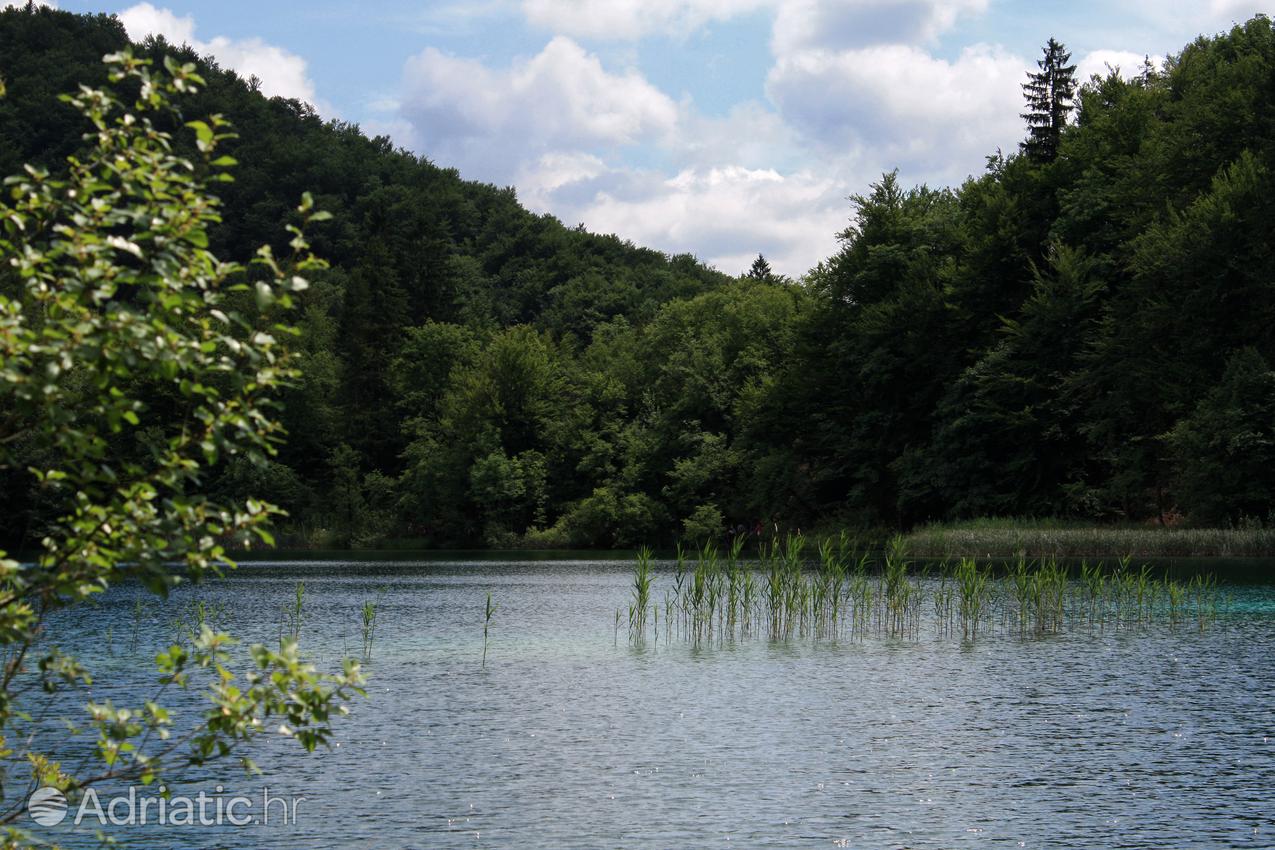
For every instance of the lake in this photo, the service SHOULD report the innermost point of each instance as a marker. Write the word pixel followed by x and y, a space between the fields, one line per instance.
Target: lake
pixel 572 736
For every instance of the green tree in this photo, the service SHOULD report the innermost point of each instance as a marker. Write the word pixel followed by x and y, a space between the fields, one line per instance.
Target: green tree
pixel 760 270
pixel 110 305
pixel 1225 450
pixel 1049 94
pixel 1007 440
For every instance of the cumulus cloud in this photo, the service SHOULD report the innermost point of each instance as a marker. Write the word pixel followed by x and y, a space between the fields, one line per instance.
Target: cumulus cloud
pixel 1237 10
pixel 853 92
pixel 281 72
pixel 842 24
pixel 563 128
pixel 632 19
pixel 724 215
pixel 607 148
pixel 468 114
pixel 935 118
pixel 1103 62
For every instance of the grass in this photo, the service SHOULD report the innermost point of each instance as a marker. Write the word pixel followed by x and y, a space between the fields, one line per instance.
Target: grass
pixel 367 624
pixel 292 615
pixel 641 602
pixel 843 594
pixel 193 615
pixel 488 613
pixel 989 538
pixel 139 612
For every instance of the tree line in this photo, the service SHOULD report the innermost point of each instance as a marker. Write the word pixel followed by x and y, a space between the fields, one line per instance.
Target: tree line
pixel 1085 329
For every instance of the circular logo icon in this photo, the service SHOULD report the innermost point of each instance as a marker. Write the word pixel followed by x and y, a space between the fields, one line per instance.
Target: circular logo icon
pixel 47 806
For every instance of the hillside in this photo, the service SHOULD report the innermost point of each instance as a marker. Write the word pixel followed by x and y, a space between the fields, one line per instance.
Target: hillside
pixel 1088 333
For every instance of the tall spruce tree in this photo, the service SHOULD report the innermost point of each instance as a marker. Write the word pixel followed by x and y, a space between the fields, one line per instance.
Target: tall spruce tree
pixel 1049 95
pixel 760 269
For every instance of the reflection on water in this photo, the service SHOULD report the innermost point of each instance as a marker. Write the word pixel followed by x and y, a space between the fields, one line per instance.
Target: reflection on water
pixel 571 737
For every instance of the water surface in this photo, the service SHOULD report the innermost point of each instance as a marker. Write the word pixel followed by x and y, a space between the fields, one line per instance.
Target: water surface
pixel 572 737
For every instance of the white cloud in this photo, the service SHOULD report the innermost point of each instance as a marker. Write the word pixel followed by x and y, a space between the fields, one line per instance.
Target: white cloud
pixel 560 126
pixel 632 19
pixel 798 23
pixel 750 134
pixel 1237 10
pixel 724 215
pixel 842 24
pixel 936 119
pixel 851 96
pixel 1102 62
pixel 607 148
pixel 281 72
pixel 468 115
pixel 1173 23
pixel 728 215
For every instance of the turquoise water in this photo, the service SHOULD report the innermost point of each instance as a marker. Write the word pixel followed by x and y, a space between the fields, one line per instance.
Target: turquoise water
pixel 572 737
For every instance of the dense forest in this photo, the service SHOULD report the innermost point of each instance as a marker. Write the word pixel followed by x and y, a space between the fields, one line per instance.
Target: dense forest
pixel 1086 329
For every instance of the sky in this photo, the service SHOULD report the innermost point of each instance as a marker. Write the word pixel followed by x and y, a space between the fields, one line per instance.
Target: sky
pixel 721 128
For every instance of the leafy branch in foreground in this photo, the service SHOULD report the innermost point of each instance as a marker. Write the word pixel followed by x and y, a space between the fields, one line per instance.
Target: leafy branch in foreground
pixel 132 362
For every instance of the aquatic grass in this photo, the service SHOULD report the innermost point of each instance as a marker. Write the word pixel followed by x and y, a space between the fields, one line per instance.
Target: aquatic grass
pixel 488 613
pixel 139 611
pixel 293 615
pixel 1177 596
pixel 971 583
pixel 898 590
pixel 1005 538
pixel 641 590
pixel 944 597
pixel 839 593
pixel 367 624
pixel 193 615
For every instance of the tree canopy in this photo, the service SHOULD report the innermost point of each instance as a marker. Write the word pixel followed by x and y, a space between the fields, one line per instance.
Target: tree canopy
pixel 1044 339
pixel 135 365
pixel 1049 95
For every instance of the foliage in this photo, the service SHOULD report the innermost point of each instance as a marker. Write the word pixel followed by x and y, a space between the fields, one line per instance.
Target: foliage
pixel 1042 340
pixel 1225 448
pixel 133 365
pixel 1049 96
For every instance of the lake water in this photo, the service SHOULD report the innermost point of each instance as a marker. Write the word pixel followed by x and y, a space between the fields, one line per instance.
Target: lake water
pixel 571 737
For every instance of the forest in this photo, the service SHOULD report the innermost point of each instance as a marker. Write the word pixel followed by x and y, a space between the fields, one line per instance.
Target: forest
pixel 1084 330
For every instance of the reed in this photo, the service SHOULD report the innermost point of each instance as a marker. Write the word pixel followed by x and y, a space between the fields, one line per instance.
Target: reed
pixel 971 583
pixel 367 624
pixel 899 591
pixel 193 615
pixel 293 615
pixel 944 598
pixel 139 612
pixel 1176 595
pixel 838 593
pixel 488 613
pixel 1005 537
pixel 641 590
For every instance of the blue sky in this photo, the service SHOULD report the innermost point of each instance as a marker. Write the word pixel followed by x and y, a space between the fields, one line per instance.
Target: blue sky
pixel 722 128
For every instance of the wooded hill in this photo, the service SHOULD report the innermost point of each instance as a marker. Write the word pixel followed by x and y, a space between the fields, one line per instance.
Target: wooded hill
pixel 1086 329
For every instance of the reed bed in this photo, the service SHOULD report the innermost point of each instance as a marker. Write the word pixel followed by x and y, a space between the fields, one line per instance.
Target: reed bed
pixel 834 593
pixel 998 539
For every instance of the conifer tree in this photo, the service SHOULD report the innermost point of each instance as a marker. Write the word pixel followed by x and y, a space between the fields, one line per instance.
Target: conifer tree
pixel 1049 96
pixel 760 269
